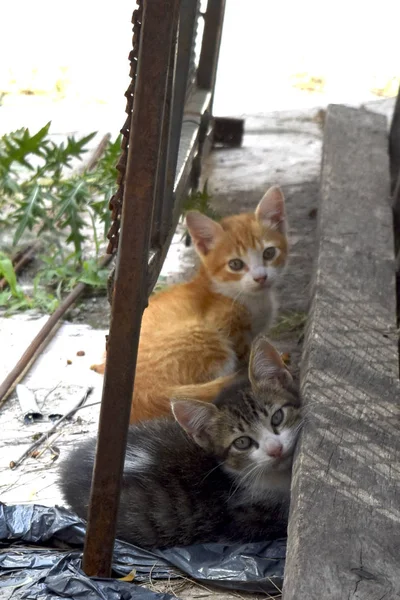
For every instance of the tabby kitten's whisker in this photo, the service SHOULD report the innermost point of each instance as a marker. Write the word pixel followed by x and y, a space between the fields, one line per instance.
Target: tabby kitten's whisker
pixel 219 465
pixel 242 478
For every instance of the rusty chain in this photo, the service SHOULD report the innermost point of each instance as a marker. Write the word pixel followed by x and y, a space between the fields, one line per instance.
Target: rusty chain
pixel 117 199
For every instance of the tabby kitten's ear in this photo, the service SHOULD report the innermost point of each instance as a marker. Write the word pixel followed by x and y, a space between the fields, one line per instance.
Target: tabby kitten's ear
pixel 271 210
pixel 195 417
pixel 204 231
pixel 266 364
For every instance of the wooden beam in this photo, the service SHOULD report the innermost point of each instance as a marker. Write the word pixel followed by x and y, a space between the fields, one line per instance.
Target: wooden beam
pixel 344 530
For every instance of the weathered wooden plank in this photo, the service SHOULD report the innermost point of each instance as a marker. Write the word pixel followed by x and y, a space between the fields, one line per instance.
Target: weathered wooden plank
pixel 344 530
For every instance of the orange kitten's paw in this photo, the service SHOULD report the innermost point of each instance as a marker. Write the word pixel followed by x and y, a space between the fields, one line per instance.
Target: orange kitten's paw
pixel 98 368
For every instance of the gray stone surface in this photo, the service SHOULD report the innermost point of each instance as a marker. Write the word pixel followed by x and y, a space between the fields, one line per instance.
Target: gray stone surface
pixel 344 535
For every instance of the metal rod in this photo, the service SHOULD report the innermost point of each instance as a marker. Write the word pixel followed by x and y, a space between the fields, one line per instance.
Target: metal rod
pixel 170 210
pixel 187 30
pixel 130 291
pixel 160 199
pixel 213 20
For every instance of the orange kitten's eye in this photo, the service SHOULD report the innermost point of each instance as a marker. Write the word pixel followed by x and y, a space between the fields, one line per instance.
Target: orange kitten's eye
pixel 236 264
pixel 269 253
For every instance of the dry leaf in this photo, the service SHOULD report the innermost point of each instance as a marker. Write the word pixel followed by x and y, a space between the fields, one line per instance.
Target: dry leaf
pixel 130 577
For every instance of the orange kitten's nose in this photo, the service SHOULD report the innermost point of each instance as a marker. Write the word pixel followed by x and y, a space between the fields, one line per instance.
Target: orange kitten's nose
pixel 275 450
pixel 260 280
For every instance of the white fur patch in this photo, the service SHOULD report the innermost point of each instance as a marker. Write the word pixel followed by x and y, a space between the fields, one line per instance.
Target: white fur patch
pixel 268 439
pixel 138 459
pixel 229 366
pixel 267 475
pixel 259 300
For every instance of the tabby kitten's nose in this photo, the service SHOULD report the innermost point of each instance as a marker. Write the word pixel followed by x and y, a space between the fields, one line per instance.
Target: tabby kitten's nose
pixel 275 450
pixel 260 280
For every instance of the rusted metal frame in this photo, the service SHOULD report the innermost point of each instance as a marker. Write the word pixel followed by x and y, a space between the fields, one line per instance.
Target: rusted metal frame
pixel 160 198
pixel 207 69
pixel 187 30
pixel 187 174
pixel 130 291
pixel 192 72
pixel 183 183
pixel 213 20
pixel 176 183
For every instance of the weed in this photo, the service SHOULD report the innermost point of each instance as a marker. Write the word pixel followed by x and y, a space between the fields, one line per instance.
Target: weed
pixel 41 195
pixel 199 200
pixel 289 322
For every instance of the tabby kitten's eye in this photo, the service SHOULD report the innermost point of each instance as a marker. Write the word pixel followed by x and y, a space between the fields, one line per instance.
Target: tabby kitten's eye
pixel 236 264
pixel 269 253
pixel 243 443
pixel 277 418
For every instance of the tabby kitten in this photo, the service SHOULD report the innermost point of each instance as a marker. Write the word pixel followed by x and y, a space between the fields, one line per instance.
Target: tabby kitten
pixel 198 334
pixel 219 473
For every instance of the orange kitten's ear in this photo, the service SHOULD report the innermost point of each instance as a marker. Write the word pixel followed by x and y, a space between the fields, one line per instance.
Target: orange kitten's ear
pixel 195 417
pixel 266 364
pixel 271 209
pixel 204 231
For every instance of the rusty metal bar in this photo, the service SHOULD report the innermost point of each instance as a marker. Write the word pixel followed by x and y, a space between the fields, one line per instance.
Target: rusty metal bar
pixel 192 71
pixel 155 240
pixel 130 291
pixel 187 29
pixel 163 218
pixel 213 20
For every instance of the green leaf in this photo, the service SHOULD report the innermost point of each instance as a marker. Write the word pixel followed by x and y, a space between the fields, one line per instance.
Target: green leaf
pixel 7 271
pixel 18 145
pixel 37 194
pixel 27 214
pixel 92 275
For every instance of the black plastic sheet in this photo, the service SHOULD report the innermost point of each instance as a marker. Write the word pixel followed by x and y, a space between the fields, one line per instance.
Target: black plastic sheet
pixel 41 551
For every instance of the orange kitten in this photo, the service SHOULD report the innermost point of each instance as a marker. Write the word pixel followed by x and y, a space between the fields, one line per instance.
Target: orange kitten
pixel 195 336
